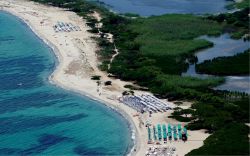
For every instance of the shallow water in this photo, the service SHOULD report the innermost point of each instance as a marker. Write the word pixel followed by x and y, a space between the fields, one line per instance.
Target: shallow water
pixel 38 118
pixel 159 7
pixel 223 46
pixel 236 83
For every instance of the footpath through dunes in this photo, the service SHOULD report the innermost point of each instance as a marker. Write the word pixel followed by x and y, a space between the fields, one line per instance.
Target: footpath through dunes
pixel 77 64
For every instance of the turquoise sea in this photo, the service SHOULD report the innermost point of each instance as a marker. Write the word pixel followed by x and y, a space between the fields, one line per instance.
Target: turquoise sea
pixel 38 118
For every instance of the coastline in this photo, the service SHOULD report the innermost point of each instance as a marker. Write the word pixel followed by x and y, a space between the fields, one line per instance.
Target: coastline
pixel 60 85
pixel 52 80
pixel 72 73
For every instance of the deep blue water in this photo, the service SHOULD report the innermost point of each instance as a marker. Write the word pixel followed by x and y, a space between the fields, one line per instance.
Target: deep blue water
pixel 37 118
pixel 159 7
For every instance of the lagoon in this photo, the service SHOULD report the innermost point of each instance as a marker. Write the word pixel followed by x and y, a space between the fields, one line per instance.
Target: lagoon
pixel 153 7
pixel 224 45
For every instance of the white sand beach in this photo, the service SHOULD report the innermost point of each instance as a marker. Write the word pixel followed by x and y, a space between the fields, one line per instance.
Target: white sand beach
pixel 78 62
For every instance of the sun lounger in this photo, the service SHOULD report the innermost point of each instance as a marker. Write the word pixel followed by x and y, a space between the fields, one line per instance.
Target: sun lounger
pixel 164 132
pixel 159 131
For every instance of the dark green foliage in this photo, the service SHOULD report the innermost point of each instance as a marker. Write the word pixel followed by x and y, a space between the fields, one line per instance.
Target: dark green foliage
pixel 96 77
pixel 131 87
pixel 168 82
pixel 224 116
pixel 59 3
pixel 180 118
pixel 243 4
pixel 132 15
pixel 230 140
pixel 125 93
pixel 241 109
pixel 237 22
pixel 165 40
pixel 178 103
pixel 108 83
pixel 211 116
pixel 215 112
pixel 157 47
pixel 135 87
pixel 240 5
pixel 233 65
pixel 182 115
pixel 131 92
pixel 106 49
pixel 104 66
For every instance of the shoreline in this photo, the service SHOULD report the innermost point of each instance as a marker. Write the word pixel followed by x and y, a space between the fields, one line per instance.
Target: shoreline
pixel 58 57
pixel 56 83
pixel 73 74
pixel 119 111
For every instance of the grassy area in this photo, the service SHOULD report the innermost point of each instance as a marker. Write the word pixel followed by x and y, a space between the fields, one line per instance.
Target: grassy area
pixel 233 65
pixel 163 41
pixel 153 52
pixel 173 34
pixel 185 86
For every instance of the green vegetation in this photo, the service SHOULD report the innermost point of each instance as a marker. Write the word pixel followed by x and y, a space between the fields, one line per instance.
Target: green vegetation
pixel 243 4
pixel 173 34
pixel 181 114
pixel 224 115
pixel 153 49
pixel 233 65
pixel 178 103
pixel 166 40
pixel 136 87
pixel 96 77
pixel 108 83
pixel 213 110
pixel 215 114
pixel 153 52
pixel 130 87
pixel 240 5
pixel 230 140
pixel 237 22
pixel 125 93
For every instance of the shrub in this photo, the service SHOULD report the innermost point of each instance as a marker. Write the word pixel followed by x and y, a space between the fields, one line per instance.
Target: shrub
pixel 107 83
pixel 96 77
